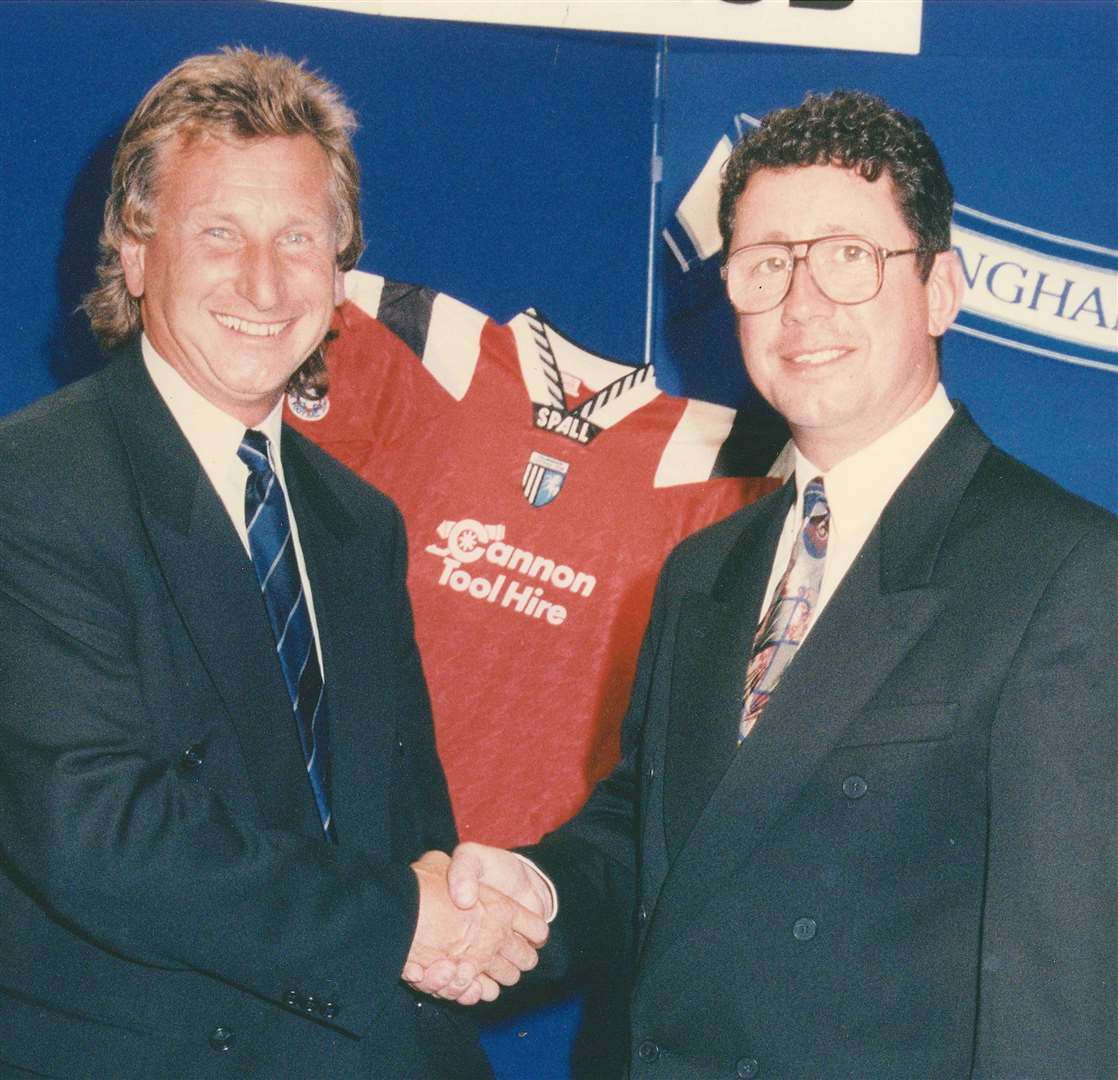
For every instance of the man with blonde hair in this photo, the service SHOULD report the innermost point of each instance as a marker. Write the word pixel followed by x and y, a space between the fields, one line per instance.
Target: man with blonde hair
pixel 219 772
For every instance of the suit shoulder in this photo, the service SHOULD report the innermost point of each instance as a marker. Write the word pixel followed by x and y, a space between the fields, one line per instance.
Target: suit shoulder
pixel 60 444
pixel 354 492
pixel 1005 487
pixel 62 416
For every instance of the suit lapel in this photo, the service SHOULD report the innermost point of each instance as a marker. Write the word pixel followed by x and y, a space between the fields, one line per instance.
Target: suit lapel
pixel 713 640
pixel 345 585
pixel 214 588
pixel 883 606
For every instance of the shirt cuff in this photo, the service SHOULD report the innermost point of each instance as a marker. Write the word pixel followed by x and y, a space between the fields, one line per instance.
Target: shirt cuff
pixel 553 896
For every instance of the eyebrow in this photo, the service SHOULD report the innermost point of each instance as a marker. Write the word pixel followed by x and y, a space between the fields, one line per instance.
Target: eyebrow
pixel 779 236
pixel 312 222
pixel 223 216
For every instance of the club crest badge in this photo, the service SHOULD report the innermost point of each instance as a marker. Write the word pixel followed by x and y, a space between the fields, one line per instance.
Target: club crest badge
pixel 308 408
pixel 543 478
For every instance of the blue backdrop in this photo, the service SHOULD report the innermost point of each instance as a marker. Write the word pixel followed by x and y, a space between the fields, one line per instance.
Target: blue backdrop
pixel 514 167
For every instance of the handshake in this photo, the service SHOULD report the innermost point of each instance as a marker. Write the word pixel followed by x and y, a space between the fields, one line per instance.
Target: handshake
pixel 483 916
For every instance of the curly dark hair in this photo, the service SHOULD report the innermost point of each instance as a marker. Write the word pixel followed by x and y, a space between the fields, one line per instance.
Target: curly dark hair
pixel 856 131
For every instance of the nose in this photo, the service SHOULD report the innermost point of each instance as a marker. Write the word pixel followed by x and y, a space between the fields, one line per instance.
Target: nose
pixel 260 279
pixel 804 299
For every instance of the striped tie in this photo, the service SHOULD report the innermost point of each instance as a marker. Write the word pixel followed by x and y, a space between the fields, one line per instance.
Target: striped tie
pixel 789 616
pixel 273 557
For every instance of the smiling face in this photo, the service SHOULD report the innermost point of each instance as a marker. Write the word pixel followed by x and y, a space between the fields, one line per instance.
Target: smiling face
pixel 239 282
pixel 841 375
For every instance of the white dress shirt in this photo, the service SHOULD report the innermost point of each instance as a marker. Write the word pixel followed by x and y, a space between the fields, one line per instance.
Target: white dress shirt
pixel 857 489
pixel 214 436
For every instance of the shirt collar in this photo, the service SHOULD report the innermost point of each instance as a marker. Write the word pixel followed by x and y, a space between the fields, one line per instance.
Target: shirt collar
pixel 859 486
pixel 213 434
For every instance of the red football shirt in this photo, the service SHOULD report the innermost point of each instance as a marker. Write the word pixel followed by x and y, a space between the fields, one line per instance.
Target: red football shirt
pixel 542 487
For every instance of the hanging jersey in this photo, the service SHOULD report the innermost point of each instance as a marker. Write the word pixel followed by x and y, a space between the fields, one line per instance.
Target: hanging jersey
pixel 542 487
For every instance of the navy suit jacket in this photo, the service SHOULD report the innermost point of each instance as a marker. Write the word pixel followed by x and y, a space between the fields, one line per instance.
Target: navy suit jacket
pixel 908 870
pixel 168 905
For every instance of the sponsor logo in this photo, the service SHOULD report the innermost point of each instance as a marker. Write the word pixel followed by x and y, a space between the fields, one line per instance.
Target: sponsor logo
pixel 543 478
pixel 307 408
pixel 561 422
pixel 517 582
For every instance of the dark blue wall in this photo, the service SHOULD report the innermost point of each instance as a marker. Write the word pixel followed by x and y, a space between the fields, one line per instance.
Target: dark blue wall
pixel 1020 99
pixel 501 165
pixel 511 167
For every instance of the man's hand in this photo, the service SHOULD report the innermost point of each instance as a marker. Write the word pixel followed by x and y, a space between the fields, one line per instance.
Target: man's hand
pixel 466 952
pixel 475 865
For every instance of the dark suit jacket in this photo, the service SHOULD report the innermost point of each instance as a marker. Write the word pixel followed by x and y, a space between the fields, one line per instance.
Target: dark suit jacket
pixel 168 905
pixel 908 870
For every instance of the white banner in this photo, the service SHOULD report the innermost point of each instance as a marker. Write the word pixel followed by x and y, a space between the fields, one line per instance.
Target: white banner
pixel 1035 291
pixel 890 26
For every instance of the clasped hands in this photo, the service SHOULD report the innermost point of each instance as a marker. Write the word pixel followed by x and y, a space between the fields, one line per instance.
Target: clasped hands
pixel 482 919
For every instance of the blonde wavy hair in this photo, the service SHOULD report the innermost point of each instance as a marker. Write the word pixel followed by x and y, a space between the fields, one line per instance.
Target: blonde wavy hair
pixel 236 93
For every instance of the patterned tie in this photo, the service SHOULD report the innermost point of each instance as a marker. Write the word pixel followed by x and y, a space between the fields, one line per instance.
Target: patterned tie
pixel 789 615
pixel 273 557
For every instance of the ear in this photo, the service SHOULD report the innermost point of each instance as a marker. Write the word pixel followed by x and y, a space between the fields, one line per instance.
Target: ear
pixel 132 252
pixel 339 286
pixel 945 288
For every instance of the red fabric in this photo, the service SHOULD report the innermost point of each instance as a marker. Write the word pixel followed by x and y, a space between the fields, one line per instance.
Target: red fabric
pixel 527 706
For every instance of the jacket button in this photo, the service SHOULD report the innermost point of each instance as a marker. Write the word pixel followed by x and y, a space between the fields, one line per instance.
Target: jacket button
pixel 854 787
pixel 642 915
pixel 330 1009
pixel 310 1005
pixel 746 1068
pixel 293 999
pixel 804 929
pixel 221 1038
pixel 192 756
pixel 648 1051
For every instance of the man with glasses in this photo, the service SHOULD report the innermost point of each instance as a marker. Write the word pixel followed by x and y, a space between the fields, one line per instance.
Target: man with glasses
pixel 864 822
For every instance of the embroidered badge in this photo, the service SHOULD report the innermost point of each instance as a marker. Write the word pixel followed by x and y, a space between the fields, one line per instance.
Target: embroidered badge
pixel 307 408
pixel 543 478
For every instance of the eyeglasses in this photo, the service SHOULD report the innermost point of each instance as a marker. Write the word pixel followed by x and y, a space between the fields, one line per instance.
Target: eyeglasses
pixel 845 269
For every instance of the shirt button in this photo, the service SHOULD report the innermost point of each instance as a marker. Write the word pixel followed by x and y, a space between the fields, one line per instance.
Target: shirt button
pixel 221 1038
pixel 854 787
pixel 192 756
pixel 804 929
pixel 648 1051
pixel 746 1068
